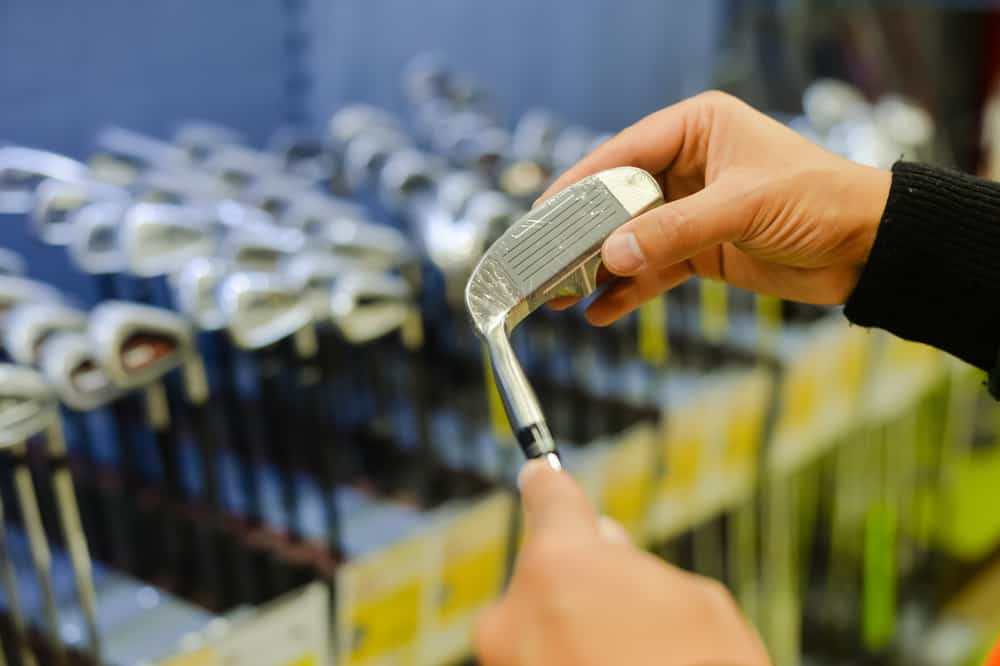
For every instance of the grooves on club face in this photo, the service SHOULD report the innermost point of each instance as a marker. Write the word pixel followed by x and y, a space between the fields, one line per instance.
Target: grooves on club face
pixel 552 251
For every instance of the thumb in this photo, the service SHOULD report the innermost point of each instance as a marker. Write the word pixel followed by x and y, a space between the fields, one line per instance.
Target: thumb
pixel 676 231
pixel 553 502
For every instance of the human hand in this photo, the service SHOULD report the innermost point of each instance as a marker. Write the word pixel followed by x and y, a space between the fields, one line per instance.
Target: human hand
pixel 750 202
pixel 581 594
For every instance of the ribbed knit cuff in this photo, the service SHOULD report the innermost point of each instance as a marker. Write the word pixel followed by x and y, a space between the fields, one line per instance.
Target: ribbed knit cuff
pixel 933 275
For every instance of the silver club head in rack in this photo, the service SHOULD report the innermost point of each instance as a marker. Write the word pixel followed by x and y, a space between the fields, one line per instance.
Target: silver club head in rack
pixel 262 308
pixel 22 169
pixel 29 325
pixel 27 404
pixel 554 250
pixel 158 238
pixel 73 369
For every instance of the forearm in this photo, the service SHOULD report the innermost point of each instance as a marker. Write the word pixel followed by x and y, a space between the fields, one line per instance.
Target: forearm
pixel 933 274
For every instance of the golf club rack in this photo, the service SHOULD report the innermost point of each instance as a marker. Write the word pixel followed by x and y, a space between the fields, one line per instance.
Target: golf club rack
pixel 275 440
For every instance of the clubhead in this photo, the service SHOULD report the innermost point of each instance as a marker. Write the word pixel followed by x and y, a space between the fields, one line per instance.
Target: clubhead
pixel 94 247
pixel 200 139
pixel 310 212
pixel 261 309
pixel 351 121
pixel 122 156
pixel 27 404
pixel 177 187
pixel 456 188
pixel 28 325
pixel 407 174
pixel 55 203
pixel 138 344
pixel 157 239
pixel 368 152
pixel 23 169
pixel 194 288
pixel 11 263
pixel 276 194
pixel 235 167
pixel 260 249
pixel 71 367
pixel 15 290
pixel 554 250
pixel 375 245
pixel 315 274
pixel 366 306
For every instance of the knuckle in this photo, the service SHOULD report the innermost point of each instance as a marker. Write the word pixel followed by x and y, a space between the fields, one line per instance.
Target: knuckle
pixel 716 98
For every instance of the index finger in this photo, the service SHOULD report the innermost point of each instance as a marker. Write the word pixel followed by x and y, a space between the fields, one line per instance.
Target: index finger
pixel 651 144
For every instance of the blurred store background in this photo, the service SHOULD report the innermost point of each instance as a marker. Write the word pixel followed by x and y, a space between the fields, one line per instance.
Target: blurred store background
pixel 844 486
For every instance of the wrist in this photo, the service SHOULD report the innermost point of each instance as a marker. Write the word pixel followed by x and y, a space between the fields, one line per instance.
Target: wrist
pixel 869 195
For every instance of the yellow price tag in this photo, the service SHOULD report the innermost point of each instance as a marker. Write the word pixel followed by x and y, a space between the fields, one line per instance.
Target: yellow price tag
pixel 714 310
pixel 471 581
pixel 498 415
pixel 743 429
pixel 202 657
pixel 684 460
pixel 387 624
pixel 654 345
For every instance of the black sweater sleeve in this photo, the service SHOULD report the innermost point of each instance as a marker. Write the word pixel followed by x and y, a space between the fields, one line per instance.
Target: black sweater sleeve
pixel 933 275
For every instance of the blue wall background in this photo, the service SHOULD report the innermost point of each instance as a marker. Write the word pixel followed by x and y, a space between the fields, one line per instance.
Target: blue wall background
pixel 68 67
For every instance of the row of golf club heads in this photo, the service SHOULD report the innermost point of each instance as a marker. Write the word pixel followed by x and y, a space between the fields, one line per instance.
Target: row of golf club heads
pixel 837 115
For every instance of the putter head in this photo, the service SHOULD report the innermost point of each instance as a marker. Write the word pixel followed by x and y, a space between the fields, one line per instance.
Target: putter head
pixel 157 239
pixel 199 139
pixel 27 404
pixel 94 247
pixel 15 290
pixel 28 325
pixel 138 344
pixel 315 273
pixel 310 212
pixel 261 308
pixel 75 373
pixel 11 263
pixel 368 305
pixel 194 288
pixel 554 250
pixel 55 203
pixel 260 249
pixel 123 155
pixel 23 169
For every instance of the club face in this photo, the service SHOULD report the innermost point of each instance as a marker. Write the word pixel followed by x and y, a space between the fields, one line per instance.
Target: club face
pixel 28 325
pixel 23 169
pixel 368 305
pixel 94 246
pixel 55 203
pixel 138 344
pixel 157 239
pixel 27 404
pixel 554 250
pixel 261 309
pixel 194 288
pixel 75 373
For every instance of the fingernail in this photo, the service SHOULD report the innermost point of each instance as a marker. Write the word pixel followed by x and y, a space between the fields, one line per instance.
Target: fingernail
pixel 528 470
pixel 612 530
pixel 622 253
